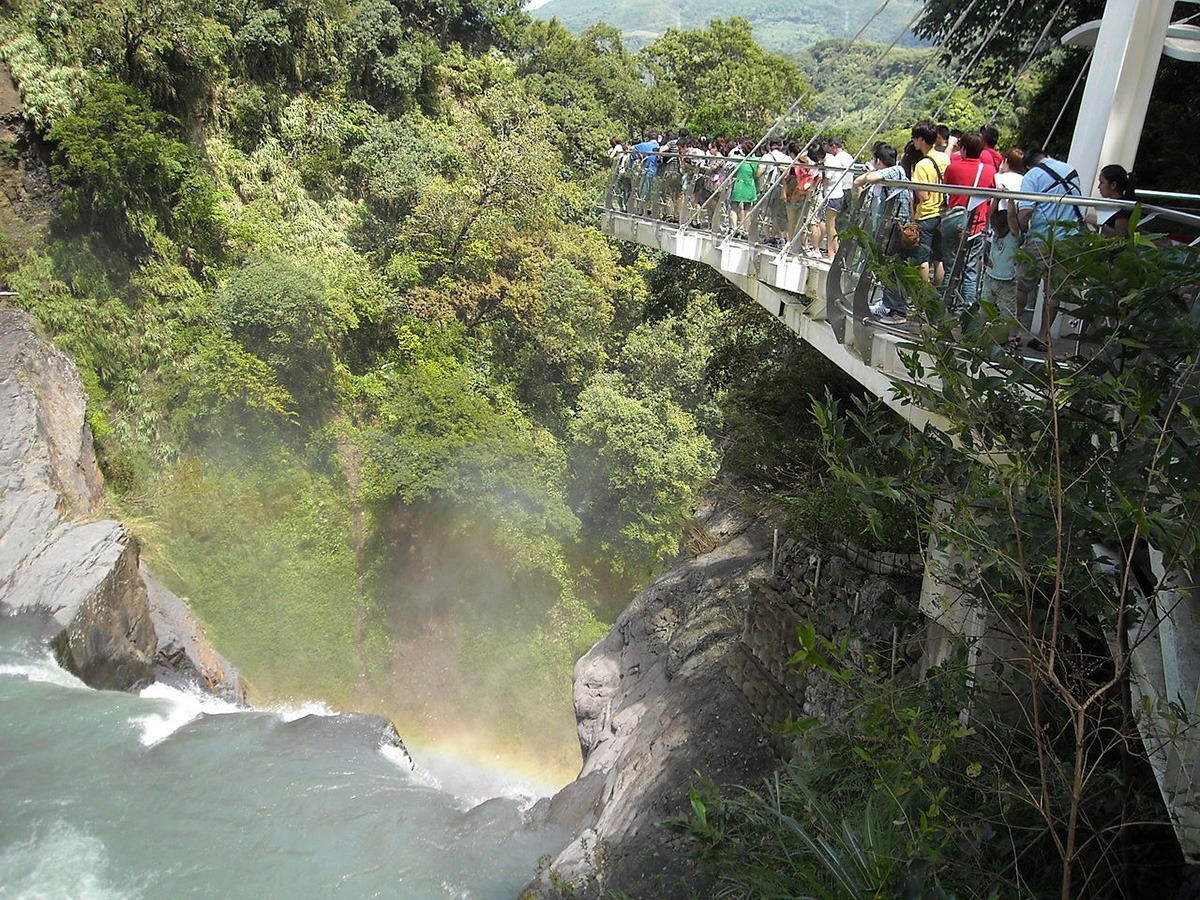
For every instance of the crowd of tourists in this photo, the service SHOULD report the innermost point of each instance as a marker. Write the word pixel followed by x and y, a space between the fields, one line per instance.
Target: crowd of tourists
pixel 715 183
pixel 965 244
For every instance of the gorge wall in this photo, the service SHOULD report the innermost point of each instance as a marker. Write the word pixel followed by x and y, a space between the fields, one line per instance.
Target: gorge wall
pixel 109 620
pixel 695 677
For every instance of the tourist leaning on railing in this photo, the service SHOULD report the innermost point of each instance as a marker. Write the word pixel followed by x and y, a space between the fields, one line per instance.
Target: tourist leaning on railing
pixel 891 211
pixel 964 221
pixel 929 203
pixel 645 171
pixel 838 164
pixel 799 183
pixel 1042 223
pixel 1114 183
pixel 744 193
pixel 1000 272
pixel 776 165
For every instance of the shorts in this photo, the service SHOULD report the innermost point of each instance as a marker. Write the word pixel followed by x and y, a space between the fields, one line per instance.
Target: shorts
pixel 930 245
pixel 1002 295
pixel 834 204
pixel 1035 264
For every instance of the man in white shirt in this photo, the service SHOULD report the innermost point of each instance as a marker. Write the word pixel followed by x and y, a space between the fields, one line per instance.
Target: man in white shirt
pixel 836 183
pixel 775 164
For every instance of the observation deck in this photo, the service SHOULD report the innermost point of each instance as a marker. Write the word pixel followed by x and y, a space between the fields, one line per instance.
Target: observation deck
pixel 827 301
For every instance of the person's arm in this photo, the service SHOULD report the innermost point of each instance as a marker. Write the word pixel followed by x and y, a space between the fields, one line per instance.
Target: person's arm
pixel 1116 225
pixel 1024 214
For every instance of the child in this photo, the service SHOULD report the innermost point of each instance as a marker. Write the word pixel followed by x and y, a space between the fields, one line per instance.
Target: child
pixel 1000 274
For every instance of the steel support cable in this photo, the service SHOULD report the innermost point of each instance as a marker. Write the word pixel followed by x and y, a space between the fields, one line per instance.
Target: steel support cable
pixel 903 31
pixel 875 15
pixel 958 23
pixel 913 81
pixel 964 71
pixel 1070 95
pixel 862 29
pixel 817 129
pixel 1024 67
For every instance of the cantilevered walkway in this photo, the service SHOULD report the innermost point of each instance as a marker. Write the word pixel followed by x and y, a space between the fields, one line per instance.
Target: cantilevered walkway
pixel 828 303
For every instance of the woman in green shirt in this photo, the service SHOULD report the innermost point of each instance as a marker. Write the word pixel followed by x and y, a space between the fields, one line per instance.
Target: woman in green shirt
pixel 744 194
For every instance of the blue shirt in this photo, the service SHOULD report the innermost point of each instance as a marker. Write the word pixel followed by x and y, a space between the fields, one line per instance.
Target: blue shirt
pixel 1051 219
pixel 648 151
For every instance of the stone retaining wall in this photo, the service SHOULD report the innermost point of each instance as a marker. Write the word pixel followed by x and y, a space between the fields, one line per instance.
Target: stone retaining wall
pixel 876 612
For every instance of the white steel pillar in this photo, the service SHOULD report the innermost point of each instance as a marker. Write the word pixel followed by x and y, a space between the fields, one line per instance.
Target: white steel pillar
pixel 1117 94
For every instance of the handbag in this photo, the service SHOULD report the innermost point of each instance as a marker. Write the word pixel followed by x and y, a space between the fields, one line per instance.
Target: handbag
pixel 904 236
pixel 957 216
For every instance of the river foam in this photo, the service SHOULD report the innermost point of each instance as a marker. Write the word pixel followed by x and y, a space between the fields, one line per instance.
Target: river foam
pixel 57 861
pixel 184 705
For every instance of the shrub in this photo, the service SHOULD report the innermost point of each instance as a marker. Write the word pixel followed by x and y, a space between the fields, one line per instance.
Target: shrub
pixel 124 177
pixel 278 311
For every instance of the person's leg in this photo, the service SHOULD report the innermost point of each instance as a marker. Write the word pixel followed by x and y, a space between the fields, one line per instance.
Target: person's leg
pixel 817 232
pixel 832 208
pixel 938 255
pixel 924 252
pixel 793 218
pixel 952 235
pixel 974 261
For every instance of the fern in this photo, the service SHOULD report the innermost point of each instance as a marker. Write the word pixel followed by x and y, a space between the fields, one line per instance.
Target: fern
pixel 49 93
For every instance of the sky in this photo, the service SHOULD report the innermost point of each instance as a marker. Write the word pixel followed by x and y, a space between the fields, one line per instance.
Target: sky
pixel 534 4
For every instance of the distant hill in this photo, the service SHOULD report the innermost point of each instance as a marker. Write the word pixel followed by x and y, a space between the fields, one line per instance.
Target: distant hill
pixel 786 26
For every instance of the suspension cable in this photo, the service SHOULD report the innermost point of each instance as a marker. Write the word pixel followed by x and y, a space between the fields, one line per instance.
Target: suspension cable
pixel 905 30
pixel 819 125
pixel 970 66
pixel 1028 61
pixel 875 15
pixel 1070 95
pixel 912 82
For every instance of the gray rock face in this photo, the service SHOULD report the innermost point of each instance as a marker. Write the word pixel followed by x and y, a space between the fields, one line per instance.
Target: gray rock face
pixel 112 624
pixel 696 676
pixel 655 704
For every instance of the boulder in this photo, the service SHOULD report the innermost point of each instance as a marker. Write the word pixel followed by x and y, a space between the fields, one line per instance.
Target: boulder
pixel 655 704
pixel 106 613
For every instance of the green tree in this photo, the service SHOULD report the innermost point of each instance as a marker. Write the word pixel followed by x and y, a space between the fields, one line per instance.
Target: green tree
pixel 275 308
pixel 171 50
pixel 1046 94
pixel 123 176
pixel 636 465
pixel 593 87
pixel 392 64
pixel 1051 492
pixel 730 84
pixel 475 231
pixel 429 433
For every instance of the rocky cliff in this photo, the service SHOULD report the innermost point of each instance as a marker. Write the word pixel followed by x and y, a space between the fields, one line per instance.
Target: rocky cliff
pixel 695 678
pixel 109 621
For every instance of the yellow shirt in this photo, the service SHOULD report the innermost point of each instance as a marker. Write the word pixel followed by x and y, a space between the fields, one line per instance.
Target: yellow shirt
pixel 925 172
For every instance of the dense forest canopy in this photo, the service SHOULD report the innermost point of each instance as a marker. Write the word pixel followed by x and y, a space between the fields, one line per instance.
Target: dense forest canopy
pixel 378 396
pixel 407 430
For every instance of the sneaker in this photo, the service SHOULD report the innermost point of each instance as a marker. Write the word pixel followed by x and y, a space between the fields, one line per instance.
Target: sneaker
pixel 894 319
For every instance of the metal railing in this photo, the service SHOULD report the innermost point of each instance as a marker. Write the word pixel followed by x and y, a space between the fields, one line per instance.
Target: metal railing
pixel 693 192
